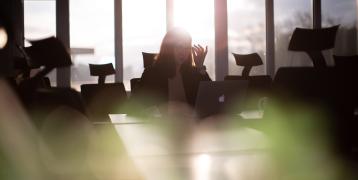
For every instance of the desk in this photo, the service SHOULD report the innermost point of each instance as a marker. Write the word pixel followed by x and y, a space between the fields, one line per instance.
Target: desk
pixel 194 151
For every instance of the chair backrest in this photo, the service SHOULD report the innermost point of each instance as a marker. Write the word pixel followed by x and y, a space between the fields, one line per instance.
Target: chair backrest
pixel 103 99
pixel 300 81
pixel 101 70
pixel 313 41
pixel 148 58
pixel 349 66
pixel 258 87
pixel 260 82
pixel 135 82
pixel 328 91
pixel 349 62
pixel 248 61
pixel 46 100
pixel 330 85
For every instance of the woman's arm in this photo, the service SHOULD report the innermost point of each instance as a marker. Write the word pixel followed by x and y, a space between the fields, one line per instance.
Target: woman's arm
pixel 204 76
pixel 199 54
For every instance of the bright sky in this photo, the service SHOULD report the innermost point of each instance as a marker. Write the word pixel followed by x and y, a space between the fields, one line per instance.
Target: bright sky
pixel 94 18
pixel 197 17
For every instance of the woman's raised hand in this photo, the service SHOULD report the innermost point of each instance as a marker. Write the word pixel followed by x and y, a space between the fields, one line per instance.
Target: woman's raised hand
pixel 199 54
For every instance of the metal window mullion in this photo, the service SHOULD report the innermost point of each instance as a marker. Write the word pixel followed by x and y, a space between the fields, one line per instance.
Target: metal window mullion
pixel 270 38
pixel 63 75
pixel 356 25
pixel 221 40
pixel 118 44
pixel 317 14
pixel 20 25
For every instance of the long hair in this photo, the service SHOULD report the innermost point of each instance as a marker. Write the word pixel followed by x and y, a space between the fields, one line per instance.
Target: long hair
pixel 165 60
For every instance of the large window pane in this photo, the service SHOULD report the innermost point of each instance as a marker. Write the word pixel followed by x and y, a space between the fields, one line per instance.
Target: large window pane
pixel 92 38
pixel 40 22
pixel 197 16
pixel 336 12
pixel 289 15
pixel 144 26
pixel 247 33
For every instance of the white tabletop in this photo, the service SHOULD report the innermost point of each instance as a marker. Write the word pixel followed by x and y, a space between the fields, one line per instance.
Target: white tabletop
pixel 162 150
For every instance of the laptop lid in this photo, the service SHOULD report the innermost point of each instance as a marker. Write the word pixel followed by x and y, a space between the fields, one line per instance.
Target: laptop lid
pixel 217 97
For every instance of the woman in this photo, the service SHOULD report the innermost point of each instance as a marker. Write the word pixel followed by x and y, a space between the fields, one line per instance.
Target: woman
pixel 177 71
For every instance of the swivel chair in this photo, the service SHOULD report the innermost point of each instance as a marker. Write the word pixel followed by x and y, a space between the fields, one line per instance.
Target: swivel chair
pixel 148 60
pixel 258 85
pixel 103 98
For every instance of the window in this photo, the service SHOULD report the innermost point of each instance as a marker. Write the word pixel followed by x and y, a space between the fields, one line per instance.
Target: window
pixel 246 32
pixel 288 16
pixel 197 17
pixel 40 22
pixel 345 14
pixel 144 26
pixel 91 37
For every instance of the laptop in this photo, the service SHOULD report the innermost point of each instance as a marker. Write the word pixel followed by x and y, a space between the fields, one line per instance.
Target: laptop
pixel 220 97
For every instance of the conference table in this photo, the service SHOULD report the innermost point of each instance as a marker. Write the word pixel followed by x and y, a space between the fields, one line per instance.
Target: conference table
pixel 162 149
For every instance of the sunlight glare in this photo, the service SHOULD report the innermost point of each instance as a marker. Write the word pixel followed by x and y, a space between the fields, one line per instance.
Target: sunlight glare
pixel 196 16
pixel 202 165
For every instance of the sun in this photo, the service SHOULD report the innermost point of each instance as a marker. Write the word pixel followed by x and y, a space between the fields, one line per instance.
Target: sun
pixel 196 16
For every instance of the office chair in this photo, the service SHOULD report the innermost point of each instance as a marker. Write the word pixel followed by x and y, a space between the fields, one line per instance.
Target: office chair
pixel 103 98
pixel 313 42
pixel 258 85
pixel 148 59
pixel 101 70
pixel 48 53
pixel 44 55
pixel 38 96
pixel 248 61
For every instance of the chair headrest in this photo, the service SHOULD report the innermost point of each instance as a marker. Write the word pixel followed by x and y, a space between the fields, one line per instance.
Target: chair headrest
pixel 101 69
pixel 313 39
pixel 148 58
pixel 248 59
pixel 49 52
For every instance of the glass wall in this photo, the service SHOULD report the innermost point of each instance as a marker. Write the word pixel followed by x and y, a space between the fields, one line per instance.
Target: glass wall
pixel 40 22
pixel 91 37
pixel 197 17
pixel 344 14
pixel 246 32
pixel 144 26
pixel 289 15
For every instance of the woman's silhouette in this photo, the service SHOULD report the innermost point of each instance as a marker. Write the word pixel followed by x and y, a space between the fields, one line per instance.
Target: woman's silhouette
pixel 177 71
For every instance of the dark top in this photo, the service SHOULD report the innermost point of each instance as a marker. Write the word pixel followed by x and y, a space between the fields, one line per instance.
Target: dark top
pixel 154 84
